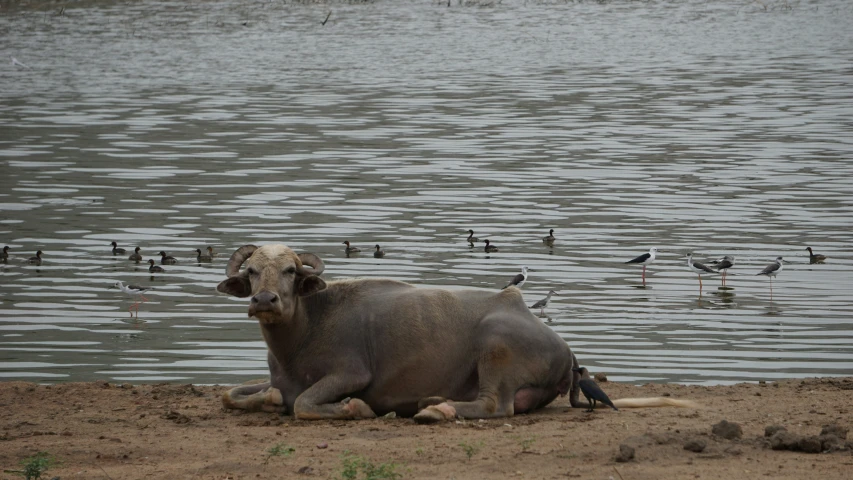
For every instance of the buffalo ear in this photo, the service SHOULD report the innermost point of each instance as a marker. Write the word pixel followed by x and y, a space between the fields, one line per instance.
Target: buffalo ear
pixel 311 284
pixel 237 286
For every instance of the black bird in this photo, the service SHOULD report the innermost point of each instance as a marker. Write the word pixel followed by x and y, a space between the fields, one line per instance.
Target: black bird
pixel 471 238
pixel 202 258
pixel 723 265
pixel 350 249
pixel 490 248
pixel 518 280
pixel 592 391
pixel 5 255
pixel 166 259
pixel 135 256
pixel 549 240
pixel 154 268
pixel 35 260
pixel 116 250
pixel 541 304
pixel 378 253
pixel 815 258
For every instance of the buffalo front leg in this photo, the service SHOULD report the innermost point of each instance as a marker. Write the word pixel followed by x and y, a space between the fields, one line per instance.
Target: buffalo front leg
pixel 261 397
pixel 495 397
pixel 321 400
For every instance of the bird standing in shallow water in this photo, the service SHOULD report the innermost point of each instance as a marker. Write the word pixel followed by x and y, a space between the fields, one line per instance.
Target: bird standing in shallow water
pixel 541 304
pixel 116 250
pixel 133 290
pixel 166 259
pixel 815 258
pixel 350 249
pixel 378 253
pixel 518 280
pixel 644 260
pixel 549 240
pixel 698 269
pixel 135 256
pixel 471 238
pixel 489 248
pixel 723 265
pixel 592 391
pixel 771 271
pixel 35 260
pixel 202 258
pixel 154 268
pixel 4 257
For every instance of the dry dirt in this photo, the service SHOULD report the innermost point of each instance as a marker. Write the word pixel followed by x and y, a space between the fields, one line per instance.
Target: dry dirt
pixel 109 431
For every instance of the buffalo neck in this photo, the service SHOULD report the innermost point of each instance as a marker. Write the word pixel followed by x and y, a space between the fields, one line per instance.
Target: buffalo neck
pixel 285 340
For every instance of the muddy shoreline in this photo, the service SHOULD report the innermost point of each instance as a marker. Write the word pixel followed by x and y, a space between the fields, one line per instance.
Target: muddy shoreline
pixel 103 430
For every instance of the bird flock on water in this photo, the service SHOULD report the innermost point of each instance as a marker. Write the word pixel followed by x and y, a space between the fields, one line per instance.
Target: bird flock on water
pixel 719 266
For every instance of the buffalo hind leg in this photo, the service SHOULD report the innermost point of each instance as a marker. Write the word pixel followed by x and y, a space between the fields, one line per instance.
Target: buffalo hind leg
pixel 260 397
pixel 320 401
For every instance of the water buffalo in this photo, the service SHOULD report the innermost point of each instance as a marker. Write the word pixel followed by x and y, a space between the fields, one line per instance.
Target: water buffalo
pixel 365 347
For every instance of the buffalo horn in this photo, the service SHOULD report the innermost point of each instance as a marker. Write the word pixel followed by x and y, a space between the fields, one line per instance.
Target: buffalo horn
pixel 313 261
pixel 237 258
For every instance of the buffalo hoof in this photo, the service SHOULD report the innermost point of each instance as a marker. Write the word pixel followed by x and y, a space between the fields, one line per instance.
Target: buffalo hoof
pixel 435 414
pixel 356 408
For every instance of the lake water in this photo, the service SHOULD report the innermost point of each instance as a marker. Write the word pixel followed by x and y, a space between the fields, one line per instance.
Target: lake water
pixel 713 127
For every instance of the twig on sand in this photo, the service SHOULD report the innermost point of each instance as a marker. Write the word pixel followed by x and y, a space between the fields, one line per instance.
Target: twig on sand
pixel 327 18
pixel 617 473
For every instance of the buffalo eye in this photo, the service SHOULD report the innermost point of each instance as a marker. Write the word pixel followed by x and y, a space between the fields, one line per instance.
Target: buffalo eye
pixel 290 270
pixel 252 271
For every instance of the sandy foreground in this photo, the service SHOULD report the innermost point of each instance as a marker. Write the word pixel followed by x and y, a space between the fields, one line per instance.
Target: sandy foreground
pixel 110 431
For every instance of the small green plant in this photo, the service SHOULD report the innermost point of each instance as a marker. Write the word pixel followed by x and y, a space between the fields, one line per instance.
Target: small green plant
pixel 527 443
pixel 419 451
pixel 37 465
pixel 471 449
pixel 355 467
pixel 279 450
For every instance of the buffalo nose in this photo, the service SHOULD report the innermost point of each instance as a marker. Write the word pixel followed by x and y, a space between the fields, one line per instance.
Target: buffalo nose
pixel 264 298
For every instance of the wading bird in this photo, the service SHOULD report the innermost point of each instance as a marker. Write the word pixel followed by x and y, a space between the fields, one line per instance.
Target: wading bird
pixel 134 291
pixel 644 260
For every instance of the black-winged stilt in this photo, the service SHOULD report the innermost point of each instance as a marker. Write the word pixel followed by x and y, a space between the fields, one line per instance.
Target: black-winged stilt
pixel 133 290
pixel 771 271
pixel 644 260
pixel 166 259
pixel 35 260
pixel 350 249
pixel 592 391
pixel 135 256
pixel 541 304
pixel 116 250
pixel 723 265
pixel 518 280
pixel 378 253
pixel 698 268
pixel 154 268
pixel 489 248
pixel 813 258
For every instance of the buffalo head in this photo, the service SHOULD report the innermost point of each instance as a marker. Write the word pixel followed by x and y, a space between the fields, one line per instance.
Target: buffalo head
pixel 274 276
